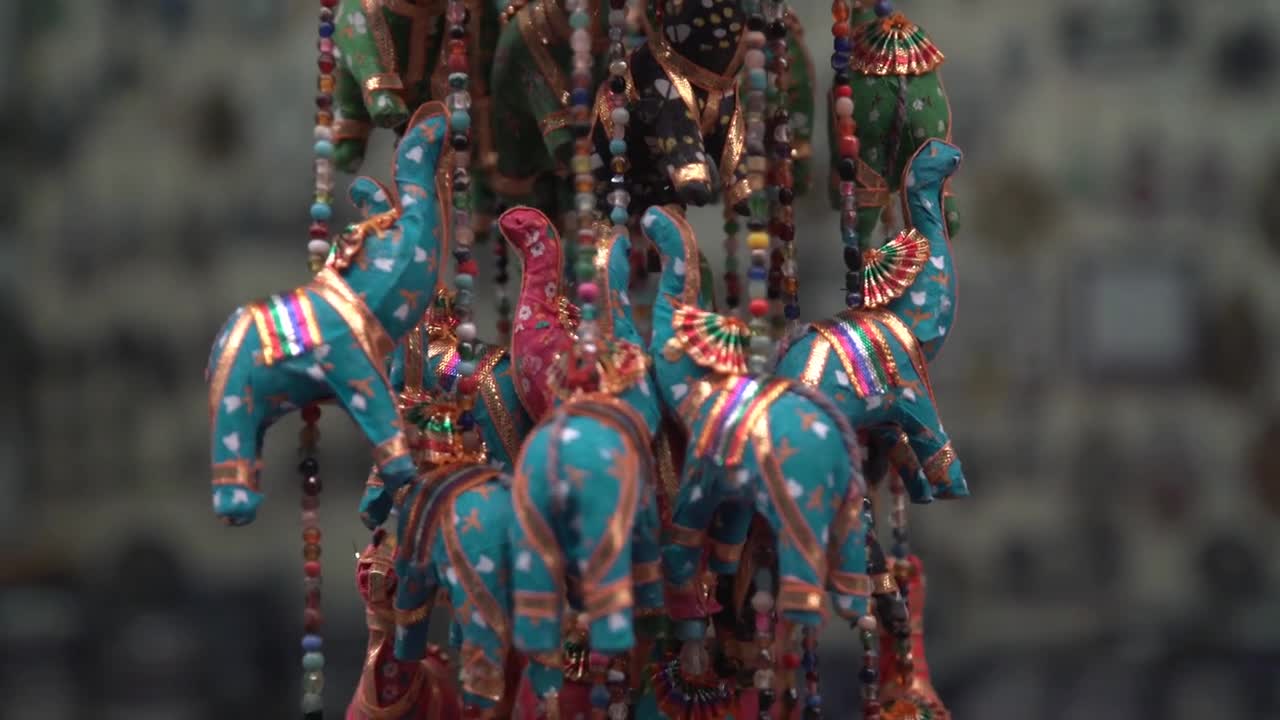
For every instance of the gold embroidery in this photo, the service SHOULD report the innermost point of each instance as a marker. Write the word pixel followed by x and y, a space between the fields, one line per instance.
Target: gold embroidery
pixel 731 156
pixel 858 584
pixel 347 129
pixel 690 173
pixel 883 584
pixel 413 361
pixel 604 600
pixel 237 473
pixel 537 37
pixel 685 536
pixel 414 616
pixel 814 367
pixel 645 573
pixel 368 332
pixel 677 65
pixel 554 121
pixel 798 595
pixel 936 467
pixel 491 395
pixel 793 521
pixel 226 359
pixel 544 605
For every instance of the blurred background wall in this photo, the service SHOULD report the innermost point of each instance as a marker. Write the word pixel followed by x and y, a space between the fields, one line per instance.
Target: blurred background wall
pixel 1113 385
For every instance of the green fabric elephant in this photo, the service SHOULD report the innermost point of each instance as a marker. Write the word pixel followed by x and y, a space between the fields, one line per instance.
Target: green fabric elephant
pixel 899 103
pixel 531 86
pixel 392 58
pixel 757 445
pixel 873 361
pixel 451 536
pixel 585 492
pixel 330 339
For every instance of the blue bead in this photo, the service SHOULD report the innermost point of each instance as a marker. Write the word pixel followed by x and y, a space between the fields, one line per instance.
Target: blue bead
pixel 321 211
pixel 312 643
pixel 792 312
pixel 842 45
pixel 618 215
pixel 809 661
pixel 839 61
pixel 814 700
pixel 466 420
pixel 757 273
pixel 323 148
pixel 463 281
pixel 313 661
pixel 580 96
pixel 617 147
pixel 326 29
pixel 460 120
pixel 599 696
pixel 884 7
pixel 757 79
pixel 466 368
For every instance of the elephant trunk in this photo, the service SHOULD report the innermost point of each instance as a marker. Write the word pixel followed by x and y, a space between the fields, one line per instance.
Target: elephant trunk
pixel 544 318
pixel 237 422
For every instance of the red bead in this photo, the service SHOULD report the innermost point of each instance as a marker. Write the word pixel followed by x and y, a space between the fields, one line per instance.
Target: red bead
pixel 311 413
pixel 790 661
pixel 844 91
pixel 468 385
pixel 468 267
pixel 313 600
pixel 328 3
pixel 311 569
pixel 319 230
pixel 326 63
pixel 759 307
pixel 849 146
pixel 312 619
pixel 840 29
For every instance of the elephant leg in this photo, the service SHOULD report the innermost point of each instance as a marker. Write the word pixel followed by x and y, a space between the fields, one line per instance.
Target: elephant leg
pixel 919 419
pixel 350 130
pixel 365 394
pixel 603 552
pixel 482 653
pixel 728 533
pixel 847 579
pixel 694 509
pixel 646 557
pixel 236 406
pixel 538 591
pixel 417 582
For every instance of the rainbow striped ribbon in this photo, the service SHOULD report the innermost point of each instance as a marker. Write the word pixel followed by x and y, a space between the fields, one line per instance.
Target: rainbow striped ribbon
pixel 286 325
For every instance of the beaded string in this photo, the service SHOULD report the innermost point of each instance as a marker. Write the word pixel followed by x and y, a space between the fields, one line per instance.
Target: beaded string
pixel 732 280
pixel 847 146
pixel 318 246
pixel 465 268
pixel 312 618
pixel 783 285
pixel 755 82
pixel 903 571
pixel 322 203
pixel 618 198
pixel 763 603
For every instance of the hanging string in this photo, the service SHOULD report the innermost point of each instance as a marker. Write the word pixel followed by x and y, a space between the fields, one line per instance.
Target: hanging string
pixel 847 147
pixel 322 202
pixel 755 81
pixel 318 246
pixel 763 602
pixel 783 290
pixel 502 263
pixel 582 370
pixel 465 268
pixel 312 617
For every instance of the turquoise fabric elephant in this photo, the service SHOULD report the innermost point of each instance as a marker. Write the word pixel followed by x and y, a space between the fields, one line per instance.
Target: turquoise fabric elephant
pixel 330 339
pixel 756 445
pixel 587 519
pixel 452 538
pixel 872 361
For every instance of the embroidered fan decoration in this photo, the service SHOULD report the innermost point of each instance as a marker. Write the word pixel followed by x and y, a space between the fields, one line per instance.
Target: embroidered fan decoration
pixel 712 341
pixel 894 46
pixel 887 271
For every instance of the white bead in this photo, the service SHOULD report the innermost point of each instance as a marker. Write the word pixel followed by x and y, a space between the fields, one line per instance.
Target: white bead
pixel 844 107
pixel 318 247
pixel 466 332
pixel 324 132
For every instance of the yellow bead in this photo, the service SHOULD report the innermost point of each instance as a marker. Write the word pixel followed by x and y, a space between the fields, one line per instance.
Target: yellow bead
pixel 758 240
pixel 581 164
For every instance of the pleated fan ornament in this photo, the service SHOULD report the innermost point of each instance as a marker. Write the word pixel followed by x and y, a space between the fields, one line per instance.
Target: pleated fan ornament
pixel 893 45
pixel 713 341
pixel 887 271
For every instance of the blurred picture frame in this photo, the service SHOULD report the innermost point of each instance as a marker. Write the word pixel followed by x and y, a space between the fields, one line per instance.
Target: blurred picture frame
pixel 1136 319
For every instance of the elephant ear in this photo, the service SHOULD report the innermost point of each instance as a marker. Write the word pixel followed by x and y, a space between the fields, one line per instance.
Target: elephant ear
pixel 716 342
pixel 894 46
pixel 370 197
